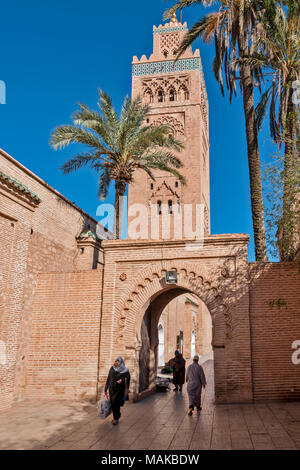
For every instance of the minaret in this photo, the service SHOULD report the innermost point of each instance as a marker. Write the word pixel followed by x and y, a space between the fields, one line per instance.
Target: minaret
pixel 177 96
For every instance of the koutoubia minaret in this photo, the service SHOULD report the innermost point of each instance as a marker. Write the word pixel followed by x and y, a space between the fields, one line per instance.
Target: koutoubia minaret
pixel 177 96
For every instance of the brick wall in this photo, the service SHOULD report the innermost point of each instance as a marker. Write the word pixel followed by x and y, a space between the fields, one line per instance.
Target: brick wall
pixel 35 237
pixel 274 329
pixel 63 353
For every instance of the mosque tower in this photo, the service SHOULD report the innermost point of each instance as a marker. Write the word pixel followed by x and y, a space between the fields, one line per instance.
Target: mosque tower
pixel 177 96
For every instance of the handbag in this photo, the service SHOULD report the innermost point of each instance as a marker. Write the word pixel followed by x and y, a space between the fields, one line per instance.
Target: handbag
pixel 104 408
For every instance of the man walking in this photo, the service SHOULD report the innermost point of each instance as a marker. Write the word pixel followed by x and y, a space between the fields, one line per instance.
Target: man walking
pixel 195 378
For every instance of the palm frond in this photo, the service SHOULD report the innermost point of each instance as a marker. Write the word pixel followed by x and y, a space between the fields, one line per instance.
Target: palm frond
pixel 103 184
pixel 93 120
pixel 64 135
pixel 78 161
pixel 261 108
pixel 184 4
pixel 202 27
pixel 161 157
pixel 160 166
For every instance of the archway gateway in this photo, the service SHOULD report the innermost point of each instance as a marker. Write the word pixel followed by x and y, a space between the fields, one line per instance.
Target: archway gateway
pixel 217 272
pixel 149 351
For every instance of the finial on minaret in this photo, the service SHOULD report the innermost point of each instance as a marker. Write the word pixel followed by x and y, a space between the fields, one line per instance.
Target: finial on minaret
pixel 173 18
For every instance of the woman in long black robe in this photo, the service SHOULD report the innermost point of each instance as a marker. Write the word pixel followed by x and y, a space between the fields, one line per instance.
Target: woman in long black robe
pixel 178 364
pixel 118 379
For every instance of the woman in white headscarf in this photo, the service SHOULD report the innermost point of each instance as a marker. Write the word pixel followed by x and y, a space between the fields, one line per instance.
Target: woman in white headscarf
pixel 195 378
pixel 118 379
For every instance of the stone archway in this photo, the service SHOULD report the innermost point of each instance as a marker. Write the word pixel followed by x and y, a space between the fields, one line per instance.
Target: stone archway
pixel 217 273
pixel 150 288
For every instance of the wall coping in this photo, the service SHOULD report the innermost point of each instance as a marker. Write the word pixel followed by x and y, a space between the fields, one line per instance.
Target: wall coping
pixel 236 238
pixel 46 185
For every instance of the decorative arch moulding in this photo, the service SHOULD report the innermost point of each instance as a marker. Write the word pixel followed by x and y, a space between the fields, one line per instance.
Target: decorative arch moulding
pixel 188 278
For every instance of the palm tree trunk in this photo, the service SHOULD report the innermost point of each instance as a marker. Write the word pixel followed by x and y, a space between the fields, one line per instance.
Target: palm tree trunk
pixel 287 248
pixel 254 165
pixel 120 188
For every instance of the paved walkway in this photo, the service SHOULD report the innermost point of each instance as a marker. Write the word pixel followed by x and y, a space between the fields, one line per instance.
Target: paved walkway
pixel 158 422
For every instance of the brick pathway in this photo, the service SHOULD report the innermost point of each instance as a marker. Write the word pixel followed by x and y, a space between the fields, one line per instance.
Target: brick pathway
pixel 158 422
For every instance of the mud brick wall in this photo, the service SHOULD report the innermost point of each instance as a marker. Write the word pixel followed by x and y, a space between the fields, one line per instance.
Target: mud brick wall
pixel 62 358
pixel 275 325
pixel 35 236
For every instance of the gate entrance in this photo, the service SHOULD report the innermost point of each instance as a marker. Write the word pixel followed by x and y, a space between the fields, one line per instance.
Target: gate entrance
pixel 182 323
pixel 134 284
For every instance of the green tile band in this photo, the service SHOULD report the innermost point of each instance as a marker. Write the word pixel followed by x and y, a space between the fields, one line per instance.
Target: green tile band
pixel 20 186
pixel 170 30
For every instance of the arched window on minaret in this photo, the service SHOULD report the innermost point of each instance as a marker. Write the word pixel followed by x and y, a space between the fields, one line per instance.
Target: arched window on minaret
pixel 148 96
pixel 160 96
pixel 159 207
pixel 183 93
pixel 165 54
pixel 170 207
pixel 172 95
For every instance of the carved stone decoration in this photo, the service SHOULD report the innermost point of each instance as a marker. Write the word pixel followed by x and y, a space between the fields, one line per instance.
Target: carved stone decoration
pixel 123 277
pixel 225 272
pixel 176 127
pixel 204 111
pixel 180 85
pixel 169 42
pixel 164 190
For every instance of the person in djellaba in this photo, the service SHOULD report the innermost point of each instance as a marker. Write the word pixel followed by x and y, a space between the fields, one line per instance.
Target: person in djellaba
pixel 117 384
pixel 178 365
pixel 195 379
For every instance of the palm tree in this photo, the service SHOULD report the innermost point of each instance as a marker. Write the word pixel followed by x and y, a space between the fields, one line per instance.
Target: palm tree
pixel 234 28
pixel 277 52
pixel 119 145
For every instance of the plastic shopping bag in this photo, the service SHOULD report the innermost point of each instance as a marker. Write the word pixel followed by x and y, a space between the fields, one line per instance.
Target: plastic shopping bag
pixel 104 408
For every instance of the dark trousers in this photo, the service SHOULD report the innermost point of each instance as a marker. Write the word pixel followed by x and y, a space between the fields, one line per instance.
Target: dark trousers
pixel 116 410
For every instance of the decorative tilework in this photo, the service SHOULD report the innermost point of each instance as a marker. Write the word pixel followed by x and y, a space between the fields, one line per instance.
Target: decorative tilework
pixel 170 30
pixel 150 68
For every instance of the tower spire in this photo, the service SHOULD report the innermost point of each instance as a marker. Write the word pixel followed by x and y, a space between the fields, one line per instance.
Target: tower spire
pixel 173 18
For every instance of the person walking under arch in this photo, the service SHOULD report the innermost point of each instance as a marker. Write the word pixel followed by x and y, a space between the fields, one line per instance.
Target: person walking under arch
pixel 195 379
pixel 178 364
pixel 117 382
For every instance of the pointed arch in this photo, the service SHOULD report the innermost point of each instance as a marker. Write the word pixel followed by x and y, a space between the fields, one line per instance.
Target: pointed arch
pixel 148 96
pixel 160 95
pixel 183 93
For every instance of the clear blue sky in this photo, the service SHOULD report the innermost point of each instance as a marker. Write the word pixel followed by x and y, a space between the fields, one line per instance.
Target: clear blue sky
pixel 56 53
